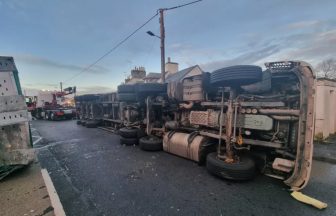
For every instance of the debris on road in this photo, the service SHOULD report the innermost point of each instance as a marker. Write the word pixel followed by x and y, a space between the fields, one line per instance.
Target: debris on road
pixel 308 200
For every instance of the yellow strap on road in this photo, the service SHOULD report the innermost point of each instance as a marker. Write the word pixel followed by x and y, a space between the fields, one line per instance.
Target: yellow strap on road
pixel 308 200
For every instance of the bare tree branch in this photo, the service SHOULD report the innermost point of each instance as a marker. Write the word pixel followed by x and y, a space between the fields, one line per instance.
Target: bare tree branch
pixel 327 68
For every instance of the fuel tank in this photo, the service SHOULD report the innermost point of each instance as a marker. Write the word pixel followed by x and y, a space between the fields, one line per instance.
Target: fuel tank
pixel 191 146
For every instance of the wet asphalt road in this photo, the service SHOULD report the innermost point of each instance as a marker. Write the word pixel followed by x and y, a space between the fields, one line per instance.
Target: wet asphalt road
pixel 94 175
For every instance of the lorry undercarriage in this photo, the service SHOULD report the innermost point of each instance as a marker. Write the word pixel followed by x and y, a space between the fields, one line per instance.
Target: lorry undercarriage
pixel 237 119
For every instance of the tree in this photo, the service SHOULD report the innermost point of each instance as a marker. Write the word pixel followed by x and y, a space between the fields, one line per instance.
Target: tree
pixel 327 68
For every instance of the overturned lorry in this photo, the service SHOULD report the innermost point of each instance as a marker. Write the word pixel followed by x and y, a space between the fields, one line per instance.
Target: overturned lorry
pixel 237 120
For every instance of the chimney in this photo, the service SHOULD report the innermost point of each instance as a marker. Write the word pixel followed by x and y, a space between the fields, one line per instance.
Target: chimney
pixel 171 67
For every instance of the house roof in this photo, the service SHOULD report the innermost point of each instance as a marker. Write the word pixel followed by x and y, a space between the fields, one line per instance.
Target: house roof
pixel 153 76
pixel 178 76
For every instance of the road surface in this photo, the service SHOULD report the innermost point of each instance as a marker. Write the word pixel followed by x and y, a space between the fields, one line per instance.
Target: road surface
pixel 95 175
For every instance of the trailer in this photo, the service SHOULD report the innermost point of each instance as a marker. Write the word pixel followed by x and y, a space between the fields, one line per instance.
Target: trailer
pixel 237 120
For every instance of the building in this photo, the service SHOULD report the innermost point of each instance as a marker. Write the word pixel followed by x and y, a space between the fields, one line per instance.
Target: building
pixel 325 115
pixel 152 77
pixel 137 75
pixel 174 80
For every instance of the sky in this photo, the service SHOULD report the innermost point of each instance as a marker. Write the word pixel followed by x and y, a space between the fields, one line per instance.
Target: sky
pixel 51 41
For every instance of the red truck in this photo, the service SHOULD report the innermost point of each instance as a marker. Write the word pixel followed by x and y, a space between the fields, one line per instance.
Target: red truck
pixel 52 105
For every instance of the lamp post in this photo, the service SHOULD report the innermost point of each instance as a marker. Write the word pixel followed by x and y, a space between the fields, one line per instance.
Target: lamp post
pixel 162 45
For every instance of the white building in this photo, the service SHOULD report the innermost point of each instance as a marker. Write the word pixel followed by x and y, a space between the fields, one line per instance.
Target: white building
pixel 325 115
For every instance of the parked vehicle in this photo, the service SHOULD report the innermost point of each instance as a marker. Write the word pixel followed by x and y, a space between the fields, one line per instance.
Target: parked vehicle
pixel 51 105
pixel 237 120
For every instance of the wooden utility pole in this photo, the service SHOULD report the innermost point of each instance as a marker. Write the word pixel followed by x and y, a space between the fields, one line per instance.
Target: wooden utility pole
pixel 162 46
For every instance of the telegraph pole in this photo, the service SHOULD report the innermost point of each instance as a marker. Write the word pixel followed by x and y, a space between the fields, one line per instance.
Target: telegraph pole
pixel 162 46
pixel 162 35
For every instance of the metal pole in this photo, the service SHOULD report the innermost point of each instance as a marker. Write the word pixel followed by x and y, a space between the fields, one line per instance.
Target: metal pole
pixel 162 46
pixel 229 116
pixel 221 124
pixel 61 84
pixel 147 116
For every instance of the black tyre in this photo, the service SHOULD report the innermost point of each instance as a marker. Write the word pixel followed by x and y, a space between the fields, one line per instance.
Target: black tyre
pixel 236 75
pixel 78 122
pixel 129 141
pixel 128 132
pixel 127 97
pixel 151 87
pixel 126 88
pixel 240 171
pixel 91 124
pixel 83 123
pixel 150 143
pixel 264 85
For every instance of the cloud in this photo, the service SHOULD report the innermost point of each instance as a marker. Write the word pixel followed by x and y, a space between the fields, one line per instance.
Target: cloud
pixel 93 89
pixel 319 46
pixel 31 91
pixel 311 45
pixel 310 24
pixel 246 58
pixel 303 24
pixel 43 62
pixel 189 54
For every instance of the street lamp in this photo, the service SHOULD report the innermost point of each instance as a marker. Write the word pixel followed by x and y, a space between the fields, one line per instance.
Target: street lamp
pixel 152 34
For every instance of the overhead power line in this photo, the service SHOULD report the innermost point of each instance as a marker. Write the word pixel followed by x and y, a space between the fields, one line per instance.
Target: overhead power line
pixel 111 50
pixel 126 38
pixel 171 8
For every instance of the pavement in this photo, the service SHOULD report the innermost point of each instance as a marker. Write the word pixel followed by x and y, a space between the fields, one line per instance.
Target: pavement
pixel 94 175
pixel 24 193
pixel 326 150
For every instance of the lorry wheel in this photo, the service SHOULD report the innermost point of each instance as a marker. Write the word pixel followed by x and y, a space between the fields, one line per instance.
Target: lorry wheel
pixel 128 132
pixel 242 170
pixel 150 143
pixel 127 97
pixel 91 124
pixel 78 122
pixel 83 123
pixel 236 75
pixel 129 141
pixel 126 88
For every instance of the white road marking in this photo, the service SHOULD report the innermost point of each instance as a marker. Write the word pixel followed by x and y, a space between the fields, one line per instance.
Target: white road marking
pixel 37 141
pixel 32 129
pixel 69 142
pixel 55 201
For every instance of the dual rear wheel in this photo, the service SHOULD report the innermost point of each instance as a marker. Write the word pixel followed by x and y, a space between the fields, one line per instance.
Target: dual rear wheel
pixel 240 170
